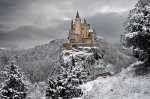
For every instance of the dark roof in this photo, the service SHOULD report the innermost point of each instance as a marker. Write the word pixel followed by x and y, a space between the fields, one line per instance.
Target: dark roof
pixel 77 16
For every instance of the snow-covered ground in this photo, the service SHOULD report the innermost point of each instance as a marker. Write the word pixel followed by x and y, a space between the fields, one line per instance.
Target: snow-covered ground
pixel 68 54
pixel 124 85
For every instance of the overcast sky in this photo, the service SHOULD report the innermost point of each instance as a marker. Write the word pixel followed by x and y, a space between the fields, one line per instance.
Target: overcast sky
pixel 26 23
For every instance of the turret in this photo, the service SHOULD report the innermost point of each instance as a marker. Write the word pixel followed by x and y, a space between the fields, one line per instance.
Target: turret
pixel 71 24
pixel 84 21
pixel 77 16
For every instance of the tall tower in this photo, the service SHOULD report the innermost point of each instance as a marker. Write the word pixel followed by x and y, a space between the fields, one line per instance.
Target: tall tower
pixel 77 24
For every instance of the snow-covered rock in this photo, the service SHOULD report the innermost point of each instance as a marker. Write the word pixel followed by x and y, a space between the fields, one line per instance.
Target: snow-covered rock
pixel 68 54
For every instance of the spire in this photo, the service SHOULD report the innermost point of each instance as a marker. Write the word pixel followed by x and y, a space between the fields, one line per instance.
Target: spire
pixel 71 24
pixel 84 21
pixel 77 16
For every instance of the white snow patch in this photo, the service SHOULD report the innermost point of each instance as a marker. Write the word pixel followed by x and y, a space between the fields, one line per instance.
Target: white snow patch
pixel 131 35
pixel 68 54
pixel 90 30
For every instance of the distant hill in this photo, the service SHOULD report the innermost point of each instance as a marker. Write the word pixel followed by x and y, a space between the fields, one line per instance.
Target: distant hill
pixel 36 62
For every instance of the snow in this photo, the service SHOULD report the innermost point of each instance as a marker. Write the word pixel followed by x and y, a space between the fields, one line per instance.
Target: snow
pixel 145 28
pixel 124 85
pixel 131 35
pixel 37 91
pixel 67 54
pixel 90 30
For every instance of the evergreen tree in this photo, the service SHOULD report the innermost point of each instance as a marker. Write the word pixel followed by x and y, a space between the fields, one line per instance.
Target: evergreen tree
pixel 137 34
pixel 96 56
pixel 73 61
pixel 14 86
pixel 51 89
pixel 66 85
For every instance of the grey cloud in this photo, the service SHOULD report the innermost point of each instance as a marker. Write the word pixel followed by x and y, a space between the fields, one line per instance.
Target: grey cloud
pixel 106 25
pixel 22 12
pixel 32 35
pixel 2 26
pixel 31 22
pixel 109 26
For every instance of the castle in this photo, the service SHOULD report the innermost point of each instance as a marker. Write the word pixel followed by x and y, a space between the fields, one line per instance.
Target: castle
pixel 80 34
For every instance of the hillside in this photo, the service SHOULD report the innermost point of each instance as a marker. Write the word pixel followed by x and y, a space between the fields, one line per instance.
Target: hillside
pixel 124 85
pixel 38 62
pixel 115 55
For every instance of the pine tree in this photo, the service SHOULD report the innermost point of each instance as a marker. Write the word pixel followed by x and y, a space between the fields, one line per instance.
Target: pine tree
pixel 51 89
pixel 14 86
pixel 73 61
pixel 96 56
pixel 66 85
pixel 137 34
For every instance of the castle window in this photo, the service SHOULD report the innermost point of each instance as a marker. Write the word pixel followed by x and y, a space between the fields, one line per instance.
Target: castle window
pixel 89 35
pixel 75 46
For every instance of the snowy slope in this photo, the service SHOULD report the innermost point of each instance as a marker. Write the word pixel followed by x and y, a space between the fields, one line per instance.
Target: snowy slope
pixel 124 85
pixel 115 55
pixel 36 62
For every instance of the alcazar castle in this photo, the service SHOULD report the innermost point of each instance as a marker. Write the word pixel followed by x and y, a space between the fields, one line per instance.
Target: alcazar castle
pixel 80 34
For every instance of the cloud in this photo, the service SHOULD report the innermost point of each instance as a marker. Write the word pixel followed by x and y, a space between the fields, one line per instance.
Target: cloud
pixel 30 35
pixel 31 22
pixel 109 25
pixel 106 25
pixel 2 26
pixel 16 13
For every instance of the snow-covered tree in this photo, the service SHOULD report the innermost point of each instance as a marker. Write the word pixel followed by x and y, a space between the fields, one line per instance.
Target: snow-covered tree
pixel 15 83
pixel 137 34
pixel 51 89
pixel 73 61
pixel 66 85
pixel 96 56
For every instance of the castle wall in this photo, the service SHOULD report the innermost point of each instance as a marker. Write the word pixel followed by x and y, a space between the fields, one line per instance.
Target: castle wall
pixel 75 38
pixel 67 46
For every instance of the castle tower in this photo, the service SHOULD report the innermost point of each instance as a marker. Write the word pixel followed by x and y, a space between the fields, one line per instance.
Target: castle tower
pixel 77 24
